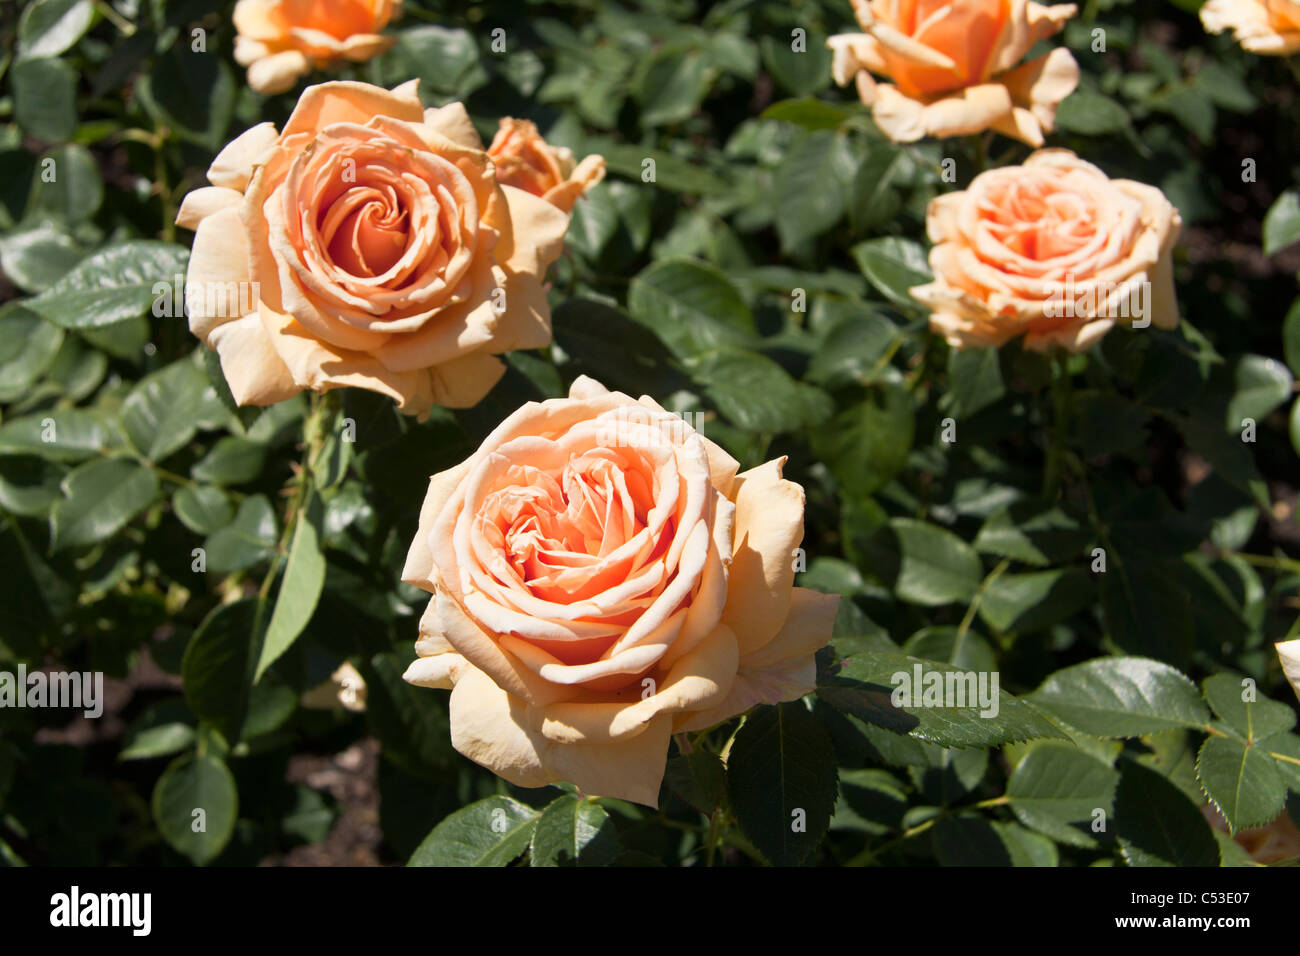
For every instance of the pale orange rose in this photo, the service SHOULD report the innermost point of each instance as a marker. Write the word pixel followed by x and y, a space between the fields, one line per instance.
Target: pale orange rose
pixel 1269 27
pixel 281 40
pixel 1053 251
pixel 370 245
pixel 603 578
pixel 526 161
pixel 1266 845
pixel 954 69
pixel 1288 652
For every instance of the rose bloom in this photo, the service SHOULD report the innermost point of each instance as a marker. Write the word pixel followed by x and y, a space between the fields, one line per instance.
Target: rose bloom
pixel 281 40
pixel 367 244
pixel 601 579
pixel 1270 27
pixel 953 66
pixel 1053 251
pixel 526 161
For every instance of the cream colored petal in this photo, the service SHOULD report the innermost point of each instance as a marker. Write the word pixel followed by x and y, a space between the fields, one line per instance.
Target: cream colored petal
pixel 233 167
pixel 365 46
pixel 772 685
pixel 419 561
pixel 218 287
pixel 439 672
pixel 1288 652
pixel 697 681
pixel 971 110
pixel 899 117
pixel 453 122
pixel 536 233
pixel 200 203
pixel 806 630
pixel 253 369
pixel 347 102
pixel 277 72
pixel 249 51
pixel 769 526
pixel 464 381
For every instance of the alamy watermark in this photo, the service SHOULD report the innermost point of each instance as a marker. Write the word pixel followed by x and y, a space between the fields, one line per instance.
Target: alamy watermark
pixel 921 688
pixel 79 690
pixel 1100 300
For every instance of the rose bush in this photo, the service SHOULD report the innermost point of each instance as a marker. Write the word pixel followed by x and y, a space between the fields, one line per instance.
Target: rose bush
pixel 955 517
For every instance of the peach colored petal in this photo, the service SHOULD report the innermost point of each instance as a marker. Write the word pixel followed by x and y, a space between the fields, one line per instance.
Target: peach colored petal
pixel 203 202
pixel 277 72
pixel 233 166
pixel 251 366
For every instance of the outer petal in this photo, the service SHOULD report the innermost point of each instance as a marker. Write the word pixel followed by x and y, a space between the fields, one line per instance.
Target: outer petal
pixel 1288 652
pixel 769 526
pixel 200 203
pixel 277 72
pixel 253 369
pixel 233 167
pixel 218 266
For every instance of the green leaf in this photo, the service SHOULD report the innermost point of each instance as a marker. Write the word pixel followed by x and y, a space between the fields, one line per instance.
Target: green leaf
pixel 876 198
pixel 866 443
pixel 231 461
pixel 1291 337
pixel 671 85
pixel 28 344
pixel 159 414
pixel 491 832
pixel 216 669
pixel 1146 610
pixel 782 783
pixel 799 72
pixel 574 831
pixel 811 187
pixel 1157 825
pixel 1121 697
pixel 1241 780
pixel 853 350
pixel 810 113
pixel 45 98
pixel 48 27
pixel 29 485
pixel 300 588
pixel 1260 385
pixel 34 259
pixel 66 434
pixel 164 729
pixel 73 194
pixel 691 306
pixel 1056 789
pixel 1091 114
pixel 195 804
pixel 893 265
pixel 755 393
pixel 867 685
pixel 444 59
pixel 251 538
pixel 971 840
pixel 974 381
pixel 924 563
pixel 1028 533
pixel 100 497
pixel 1282 222
pixel 699 778
pixel 1253 719
pixel 112 285
pixel 1025 603
pixel 202 508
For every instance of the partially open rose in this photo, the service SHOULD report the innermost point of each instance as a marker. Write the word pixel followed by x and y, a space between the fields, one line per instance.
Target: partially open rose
pixel 1269 27
pixel 1054 251
pixel 368 244
pixel 526 161
pixel 281 40
pixel 954 69
pixel 602 578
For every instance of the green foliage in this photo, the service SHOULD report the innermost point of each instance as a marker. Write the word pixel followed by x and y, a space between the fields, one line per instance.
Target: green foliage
pixel 1110 534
